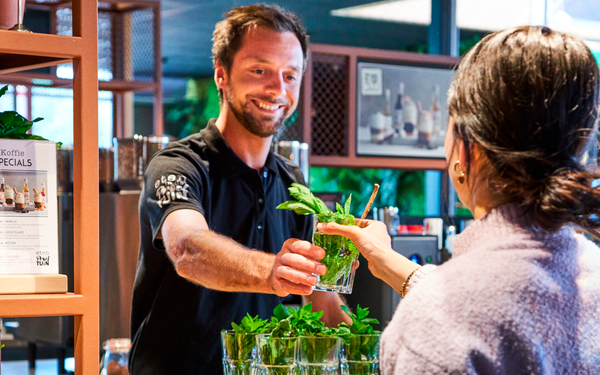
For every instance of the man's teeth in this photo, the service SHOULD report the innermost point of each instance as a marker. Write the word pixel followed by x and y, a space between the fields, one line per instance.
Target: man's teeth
pixel 267 107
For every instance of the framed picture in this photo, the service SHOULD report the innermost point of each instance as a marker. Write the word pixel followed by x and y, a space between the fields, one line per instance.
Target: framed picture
pixel 402 109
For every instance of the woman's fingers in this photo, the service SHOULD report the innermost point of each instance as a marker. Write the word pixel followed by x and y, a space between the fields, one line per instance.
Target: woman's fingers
pixel 350 231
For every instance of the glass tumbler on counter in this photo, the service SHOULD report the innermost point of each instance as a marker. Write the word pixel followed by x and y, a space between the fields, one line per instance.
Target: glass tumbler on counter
pixel 116 357
pixel 360 355
pixel 239 351
pixel 341 258
pixel 276 355
pixel 318 355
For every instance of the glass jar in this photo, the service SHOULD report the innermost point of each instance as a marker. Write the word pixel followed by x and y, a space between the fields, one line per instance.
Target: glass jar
pixel 116 357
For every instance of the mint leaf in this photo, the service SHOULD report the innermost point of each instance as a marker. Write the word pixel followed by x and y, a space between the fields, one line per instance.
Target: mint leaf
pixel 281 312
pixel 347 205
pixel 306 203
pixel 298 207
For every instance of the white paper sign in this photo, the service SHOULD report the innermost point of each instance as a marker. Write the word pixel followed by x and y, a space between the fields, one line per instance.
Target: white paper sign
pixel 370 79
pixel 28 207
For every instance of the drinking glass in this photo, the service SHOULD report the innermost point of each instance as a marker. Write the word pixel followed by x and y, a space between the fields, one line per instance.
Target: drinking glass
pixel 360 355
pixel 276 355
pixel 341 258
pixel 238 353
pixel 318 355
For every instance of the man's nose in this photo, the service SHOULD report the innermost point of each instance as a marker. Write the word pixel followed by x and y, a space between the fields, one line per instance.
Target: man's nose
pixel 276 85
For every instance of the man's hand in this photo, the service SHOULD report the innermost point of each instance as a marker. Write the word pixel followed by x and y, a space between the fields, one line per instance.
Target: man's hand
pixel 295 266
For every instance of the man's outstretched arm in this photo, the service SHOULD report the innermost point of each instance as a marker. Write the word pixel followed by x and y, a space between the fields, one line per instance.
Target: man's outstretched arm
pixel 217 262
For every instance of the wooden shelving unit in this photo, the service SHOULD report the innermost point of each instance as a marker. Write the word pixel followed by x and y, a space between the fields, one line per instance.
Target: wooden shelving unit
pixel 121 56
pixel 22 51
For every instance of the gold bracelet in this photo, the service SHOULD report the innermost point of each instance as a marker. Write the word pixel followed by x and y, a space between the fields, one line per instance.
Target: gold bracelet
pixel 405 283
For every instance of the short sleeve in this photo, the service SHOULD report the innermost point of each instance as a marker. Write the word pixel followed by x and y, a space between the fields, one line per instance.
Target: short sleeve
pixel 173 181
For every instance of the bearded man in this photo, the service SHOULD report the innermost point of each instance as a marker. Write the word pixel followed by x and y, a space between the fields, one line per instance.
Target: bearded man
pixel 218 249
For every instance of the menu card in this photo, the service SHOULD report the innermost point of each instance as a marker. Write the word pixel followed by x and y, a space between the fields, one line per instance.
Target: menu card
pixel 28 207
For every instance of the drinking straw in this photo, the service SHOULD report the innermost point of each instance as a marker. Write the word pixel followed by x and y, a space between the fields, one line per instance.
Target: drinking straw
pixel 368 207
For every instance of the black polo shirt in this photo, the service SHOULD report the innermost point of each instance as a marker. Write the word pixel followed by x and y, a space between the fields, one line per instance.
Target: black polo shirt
pixel 176 324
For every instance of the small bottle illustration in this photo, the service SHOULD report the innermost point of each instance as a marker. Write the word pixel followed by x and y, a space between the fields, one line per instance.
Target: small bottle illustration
pixel 1 192
pixel 26 193
pixel 43 192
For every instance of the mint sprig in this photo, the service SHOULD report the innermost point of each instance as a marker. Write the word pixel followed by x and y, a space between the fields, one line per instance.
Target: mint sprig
pixel 359 347
pixel 340 252
pixel 240 345
pixel 307 204
pixel 291 322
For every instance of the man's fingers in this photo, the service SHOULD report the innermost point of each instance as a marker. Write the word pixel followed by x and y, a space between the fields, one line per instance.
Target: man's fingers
pixel 295 276
pixel 292 288
pixel 307 249
pixel 301 263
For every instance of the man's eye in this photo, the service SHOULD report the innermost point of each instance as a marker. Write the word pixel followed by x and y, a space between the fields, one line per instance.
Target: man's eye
pixel 259 71
pixel 291 78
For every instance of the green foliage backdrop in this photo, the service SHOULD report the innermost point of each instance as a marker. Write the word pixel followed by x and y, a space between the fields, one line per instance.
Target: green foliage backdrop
pixel 403 189
pixel 190 115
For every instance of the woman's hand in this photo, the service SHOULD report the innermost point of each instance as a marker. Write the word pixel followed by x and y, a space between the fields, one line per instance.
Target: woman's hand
pixel 370 238
pixel 373 241
pixel 367 235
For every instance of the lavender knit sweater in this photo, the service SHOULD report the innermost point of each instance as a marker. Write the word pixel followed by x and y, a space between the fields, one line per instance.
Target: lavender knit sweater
pixel 513 300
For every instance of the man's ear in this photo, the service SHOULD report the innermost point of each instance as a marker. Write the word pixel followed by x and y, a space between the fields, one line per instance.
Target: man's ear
pixel 220 76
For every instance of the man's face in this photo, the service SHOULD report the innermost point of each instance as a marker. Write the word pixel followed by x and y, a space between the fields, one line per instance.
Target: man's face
pixel 263 84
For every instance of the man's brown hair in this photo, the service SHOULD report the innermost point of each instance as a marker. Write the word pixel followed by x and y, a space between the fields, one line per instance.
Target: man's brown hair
pixel 227 37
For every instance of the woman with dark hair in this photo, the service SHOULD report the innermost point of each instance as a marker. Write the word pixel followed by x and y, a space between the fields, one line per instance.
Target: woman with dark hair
pixel 522 293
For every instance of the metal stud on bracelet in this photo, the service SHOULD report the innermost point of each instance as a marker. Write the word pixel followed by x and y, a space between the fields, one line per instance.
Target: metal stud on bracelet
pixel 405 283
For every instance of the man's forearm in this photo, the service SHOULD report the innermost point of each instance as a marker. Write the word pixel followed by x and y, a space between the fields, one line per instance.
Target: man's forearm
pixel 217 262
pixel 329 303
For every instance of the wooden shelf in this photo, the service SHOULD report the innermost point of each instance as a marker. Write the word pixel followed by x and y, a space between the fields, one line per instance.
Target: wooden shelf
pixel 48 45
pixel 10 62
pixel 25 51
pixel 376 162
pixel 24 305
pixel 49 80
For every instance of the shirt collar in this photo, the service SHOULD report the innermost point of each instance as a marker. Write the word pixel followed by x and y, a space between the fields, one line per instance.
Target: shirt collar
pixel 223 157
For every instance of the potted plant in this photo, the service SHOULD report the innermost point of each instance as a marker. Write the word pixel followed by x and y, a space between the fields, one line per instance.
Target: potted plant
pixel 360 352
pixel 15 126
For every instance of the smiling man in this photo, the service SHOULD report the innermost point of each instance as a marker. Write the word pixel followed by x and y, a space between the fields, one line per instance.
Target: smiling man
pixel 213 247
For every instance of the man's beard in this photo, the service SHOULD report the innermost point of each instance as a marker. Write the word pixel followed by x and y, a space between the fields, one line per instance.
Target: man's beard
pixel 264 127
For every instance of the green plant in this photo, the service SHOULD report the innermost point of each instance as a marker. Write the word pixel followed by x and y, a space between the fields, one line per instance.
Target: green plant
pixel 290 322
pixel 359 346
pixel 340 252
pixel 15 126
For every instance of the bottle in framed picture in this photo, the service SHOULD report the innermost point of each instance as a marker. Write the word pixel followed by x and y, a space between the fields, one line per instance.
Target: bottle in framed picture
pixel 410 113
pixel 399 124
pixel 387 113
pixel 436 111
